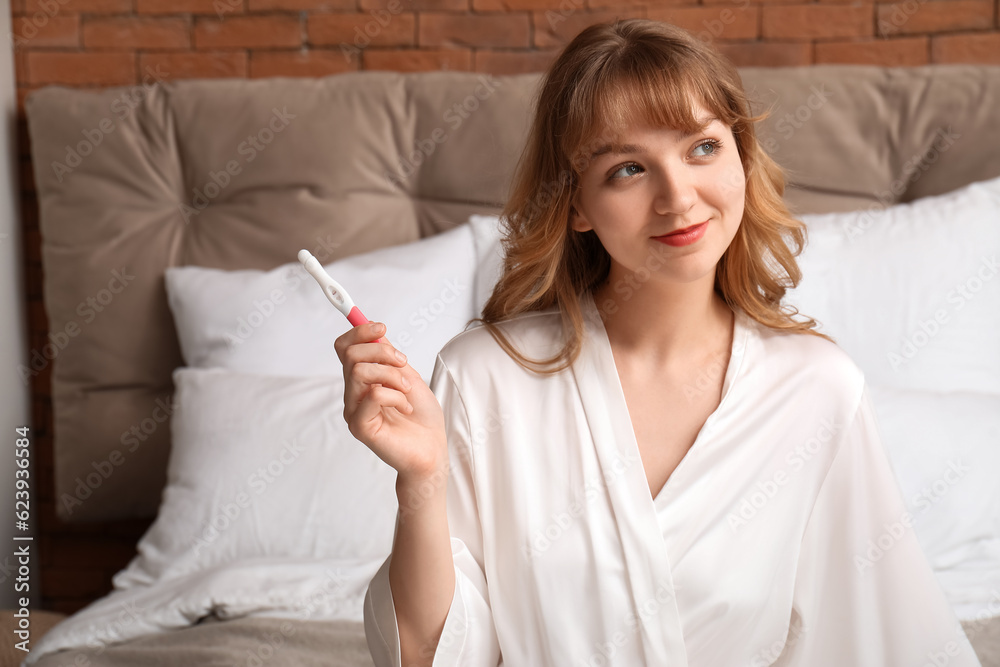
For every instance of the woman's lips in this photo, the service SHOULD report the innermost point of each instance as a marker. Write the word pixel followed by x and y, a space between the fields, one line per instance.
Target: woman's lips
pixel 685 236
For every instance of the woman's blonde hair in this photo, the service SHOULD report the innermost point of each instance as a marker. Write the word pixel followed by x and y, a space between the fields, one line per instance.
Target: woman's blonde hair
pixel 610 74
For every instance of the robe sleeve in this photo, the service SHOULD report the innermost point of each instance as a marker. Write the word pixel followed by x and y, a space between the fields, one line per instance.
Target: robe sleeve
pixel 468 638
pixel 864 593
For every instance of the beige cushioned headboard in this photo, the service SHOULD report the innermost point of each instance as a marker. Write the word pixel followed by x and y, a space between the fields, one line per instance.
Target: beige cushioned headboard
pixel 239 174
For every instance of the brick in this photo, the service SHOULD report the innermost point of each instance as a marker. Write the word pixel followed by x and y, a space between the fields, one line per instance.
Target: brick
pixel 81 69
pixel 44 482
pixel 36 339
pixel 29 209
pixel 513 62
pixel 712 23
pixel 302 5
pixel 248 32
pixel 45 489
pixel 29 216
pixel 46 507
pixel 207 65
pixel 743 4
pixel 20 66
pixel 27 174
pixel 32 241
pixel 42 382
pixel 38 320
pixel 363 30
pixel 41 31
pixel 45 551
pixel 313 63
pixel 417 60
pixel 938 16
pixel 41 414
pixel 418 5
pixel 34 273
pixel 79 6
pixel 43 439
pixel 805 22
pixel 557 28
pixel 224 9
pixel 627 8
pixel 46 513
pixel 971 49
pixel 905 52
pixel 137 33
pixel 519 5
pixel 22 92
pixel 475 30
pixel 768 54
pixel 23 139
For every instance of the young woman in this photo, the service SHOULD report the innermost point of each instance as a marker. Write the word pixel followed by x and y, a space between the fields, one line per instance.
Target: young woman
pixel 641 458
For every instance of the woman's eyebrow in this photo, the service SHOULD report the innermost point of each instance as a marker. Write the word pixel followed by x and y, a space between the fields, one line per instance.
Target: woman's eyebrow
pixel 615 149
pixel 618 149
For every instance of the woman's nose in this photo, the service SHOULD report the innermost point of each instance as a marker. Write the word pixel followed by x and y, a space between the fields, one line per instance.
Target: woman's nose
pixel 675 190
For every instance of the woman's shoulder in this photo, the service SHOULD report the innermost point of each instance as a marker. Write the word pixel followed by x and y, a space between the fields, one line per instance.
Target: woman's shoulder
pixel 535 334
pixel 808 356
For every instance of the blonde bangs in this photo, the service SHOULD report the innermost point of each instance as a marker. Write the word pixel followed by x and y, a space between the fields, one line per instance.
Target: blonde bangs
pixel 620 95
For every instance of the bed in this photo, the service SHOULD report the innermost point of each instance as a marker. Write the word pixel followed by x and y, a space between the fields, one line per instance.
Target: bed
pixel 197 380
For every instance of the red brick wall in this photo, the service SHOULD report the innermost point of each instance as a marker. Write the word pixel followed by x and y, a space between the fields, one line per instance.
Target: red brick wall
pixel 88 43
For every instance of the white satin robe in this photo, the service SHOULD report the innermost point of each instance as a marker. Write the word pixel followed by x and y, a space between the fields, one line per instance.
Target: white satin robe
pixel 780 538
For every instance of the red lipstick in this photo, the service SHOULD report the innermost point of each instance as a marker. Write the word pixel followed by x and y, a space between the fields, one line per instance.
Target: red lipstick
pixel 685 236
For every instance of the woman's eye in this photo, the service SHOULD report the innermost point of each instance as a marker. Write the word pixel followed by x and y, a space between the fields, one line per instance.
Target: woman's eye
pixel 623 172
pixel 714 144
pixel 625 168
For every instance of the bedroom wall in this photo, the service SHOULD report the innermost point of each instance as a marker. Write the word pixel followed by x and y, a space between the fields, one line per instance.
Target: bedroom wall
pixel 98 43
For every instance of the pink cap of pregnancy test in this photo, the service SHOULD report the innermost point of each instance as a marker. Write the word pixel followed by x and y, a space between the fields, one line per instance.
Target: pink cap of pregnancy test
pixel 336 294
pixel 357 319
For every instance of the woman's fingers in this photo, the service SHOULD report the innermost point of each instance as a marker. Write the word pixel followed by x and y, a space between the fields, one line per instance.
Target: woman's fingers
pixel 369 366
pixel 380 397
pixel 363 333
pixel 365 374
pixel 387 406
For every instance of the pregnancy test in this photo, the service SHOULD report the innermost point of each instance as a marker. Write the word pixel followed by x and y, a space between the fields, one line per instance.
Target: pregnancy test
pixel 337 295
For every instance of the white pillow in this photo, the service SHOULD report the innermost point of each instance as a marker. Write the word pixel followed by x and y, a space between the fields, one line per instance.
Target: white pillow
pixel 271 509
pixel 232 505
pixel 279 322
pixel 263 468
pixel 911 292
pixel 945 451
pixel 487 232
pixel 888 286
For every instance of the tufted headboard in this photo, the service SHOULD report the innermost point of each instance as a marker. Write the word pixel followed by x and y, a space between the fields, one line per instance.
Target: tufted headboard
pixel 241 174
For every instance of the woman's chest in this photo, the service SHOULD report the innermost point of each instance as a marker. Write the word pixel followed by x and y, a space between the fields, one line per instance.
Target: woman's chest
pixel 572 525
pixel 667 413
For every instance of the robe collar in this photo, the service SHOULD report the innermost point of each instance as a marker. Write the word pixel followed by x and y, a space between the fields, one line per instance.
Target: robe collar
pixel 643 548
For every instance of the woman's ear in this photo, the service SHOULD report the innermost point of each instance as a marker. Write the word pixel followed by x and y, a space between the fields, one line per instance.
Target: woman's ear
pixel 576 220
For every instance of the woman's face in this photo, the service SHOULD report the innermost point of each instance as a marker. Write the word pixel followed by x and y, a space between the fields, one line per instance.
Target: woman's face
pixel 659 182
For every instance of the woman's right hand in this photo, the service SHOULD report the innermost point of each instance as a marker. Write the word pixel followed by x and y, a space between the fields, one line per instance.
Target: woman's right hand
pixel 403 424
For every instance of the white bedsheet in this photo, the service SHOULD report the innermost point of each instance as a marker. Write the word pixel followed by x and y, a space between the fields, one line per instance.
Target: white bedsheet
pixel 319 590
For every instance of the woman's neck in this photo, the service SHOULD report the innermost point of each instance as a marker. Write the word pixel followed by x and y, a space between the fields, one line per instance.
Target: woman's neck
pixel 665 326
